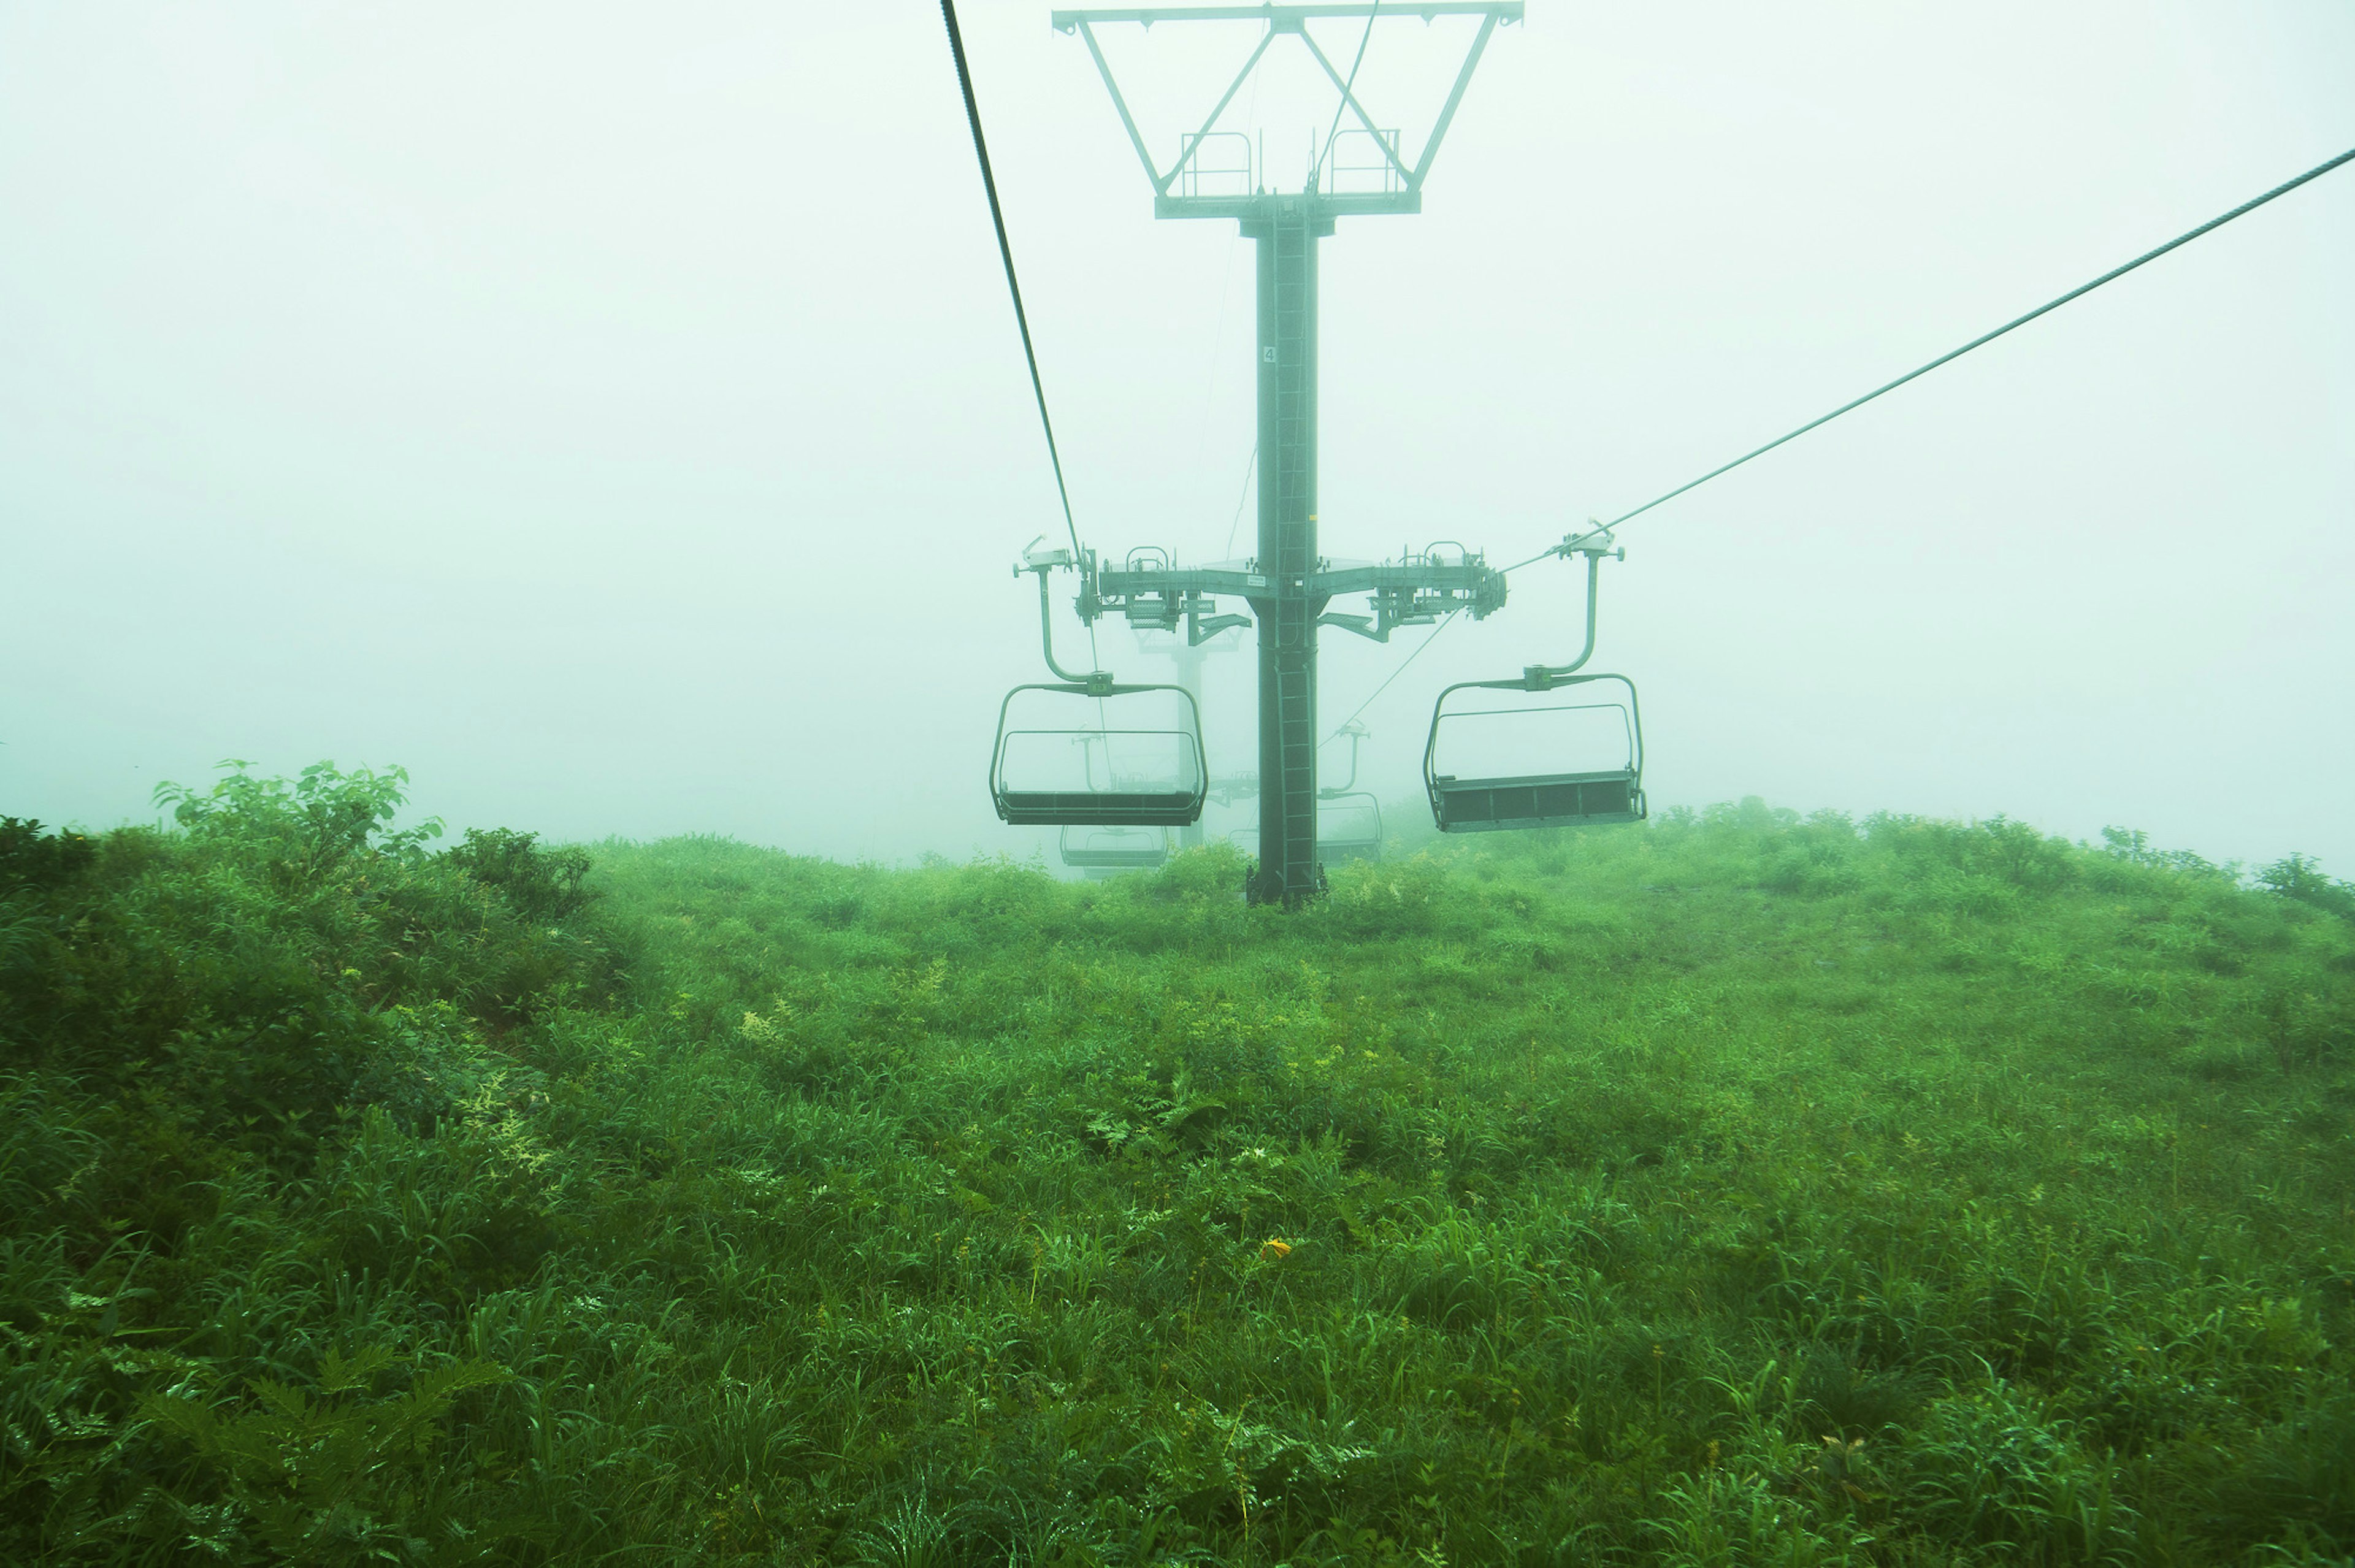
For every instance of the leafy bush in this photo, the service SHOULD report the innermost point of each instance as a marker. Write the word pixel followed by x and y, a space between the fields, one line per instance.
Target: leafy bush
pixel 540 884
pixel 2300 878
pixel 306 828
pixel 32 859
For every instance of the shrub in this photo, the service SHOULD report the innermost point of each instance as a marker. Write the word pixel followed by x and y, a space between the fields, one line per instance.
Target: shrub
pixel 2301 879
pixel 542 885
pixel 38 861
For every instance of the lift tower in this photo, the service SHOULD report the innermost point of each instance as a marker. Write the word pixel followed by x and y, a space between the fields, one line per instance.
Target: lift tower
pixel 1288 584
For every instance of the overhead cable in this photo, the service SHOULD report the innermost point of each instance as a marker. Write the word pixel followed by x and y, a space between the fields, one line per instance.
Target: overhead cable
pixel 1006 251
pixel 2082 288
pixel 1395 672
pixel 2116 272
pixel 1249 469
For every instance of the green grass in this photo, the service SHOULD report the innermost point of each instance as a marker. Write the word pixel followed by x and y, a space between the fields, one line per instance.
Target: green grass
pixel 1735 1189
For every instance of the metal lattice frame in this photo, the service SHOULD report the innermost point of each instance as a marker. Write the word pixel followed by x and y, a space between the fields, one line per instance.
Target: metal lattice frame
pixel 1168 198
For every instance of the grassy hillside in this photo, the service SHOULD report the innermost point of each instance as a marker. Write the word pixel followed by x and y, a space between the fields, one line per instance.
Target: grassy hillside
pixel 1736 1190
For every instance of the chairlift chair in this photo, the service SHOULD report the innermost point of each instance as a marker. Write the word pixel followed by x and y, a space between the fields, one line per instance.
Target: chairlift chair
pixel 1596 772
pixel 1350 831
pixel 1154 775
pixel 1154 772
pixel 1348 827
pixel 1112 849
pixel 1493 801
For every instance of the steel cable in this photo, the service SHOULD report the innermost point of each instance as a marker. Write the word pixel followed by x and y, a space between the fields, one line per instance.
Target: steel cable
pixel 2112 275
pixel 1006 253
pixel 1241 501
pixel 2082 288
pixel 1394 674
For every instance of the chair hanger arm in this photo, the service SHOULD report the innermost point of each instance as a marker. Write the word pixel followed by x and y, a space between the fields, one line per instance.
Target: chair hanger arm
pixel 1356 732
pixel 1093 679
pixel 1593 547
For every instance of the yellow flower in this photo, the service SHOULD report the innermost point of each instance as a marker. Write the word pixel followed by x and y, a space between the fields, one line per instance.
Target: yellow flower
pixel 1275 1247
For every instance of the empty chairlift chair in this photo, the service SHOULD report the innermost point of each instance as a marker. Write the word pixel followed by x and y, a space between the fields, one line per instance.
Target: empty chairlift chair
pixel 1348 827
pixel 1564 750
pixel 1107 756
pixel 1086 750
pixel 1582 763
pixel 1349 819
pixel 1106 851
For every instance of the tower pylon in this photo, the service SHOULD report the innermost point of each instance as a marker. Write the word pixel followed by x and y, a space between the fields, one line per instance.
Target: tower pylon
pixel 1289 583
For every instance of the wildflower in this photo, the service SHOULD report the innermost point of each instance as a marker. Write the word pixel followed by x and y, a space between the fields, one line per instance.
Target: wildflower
pixel 1275 1247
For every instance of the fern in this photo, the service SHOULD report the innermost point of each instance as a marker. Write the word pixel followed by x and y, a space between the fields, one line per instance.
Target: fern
pixel 337 1473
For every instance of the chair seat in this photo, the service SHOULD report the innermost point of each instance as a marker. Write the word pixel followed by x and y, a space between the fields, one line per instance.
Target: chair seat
pixel 1099 808
pixel 1536 800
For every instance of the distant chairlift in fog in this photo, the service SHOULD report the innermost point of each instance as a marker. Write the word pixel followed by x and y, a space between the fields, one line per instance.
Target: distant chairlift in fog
pixel 1107 851
pixel 1349 819
pixel 1348 827
pixel 1557 761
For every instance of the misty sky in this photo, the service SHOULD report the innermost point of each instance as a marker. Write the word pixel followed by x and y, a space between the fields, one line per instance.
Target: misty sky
pixel 614 413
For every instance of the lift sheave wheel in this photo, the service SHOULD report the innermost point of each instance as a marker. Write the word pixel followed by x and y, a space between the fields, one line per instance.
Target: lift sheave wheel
pixel 1115 848
pixel 1123 756
pixel 1550 761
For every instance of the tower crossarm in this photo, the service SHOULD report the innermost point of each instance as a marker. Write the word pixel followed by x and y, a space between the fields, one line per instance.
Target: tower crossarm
pixel 1416 592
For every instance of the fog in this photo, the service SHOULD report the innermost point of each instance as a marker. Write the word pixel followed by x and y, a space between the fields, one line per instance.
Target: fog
pixel 614 414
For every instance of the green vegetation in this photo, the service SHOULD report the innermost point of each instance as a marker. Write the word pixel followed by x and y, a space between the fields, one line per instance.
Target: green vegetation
pixel 1737 1190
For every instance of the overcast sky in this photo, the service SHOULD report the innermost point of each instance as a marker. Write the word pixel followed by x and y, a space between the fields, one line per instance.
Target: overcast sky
pixel 614 413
